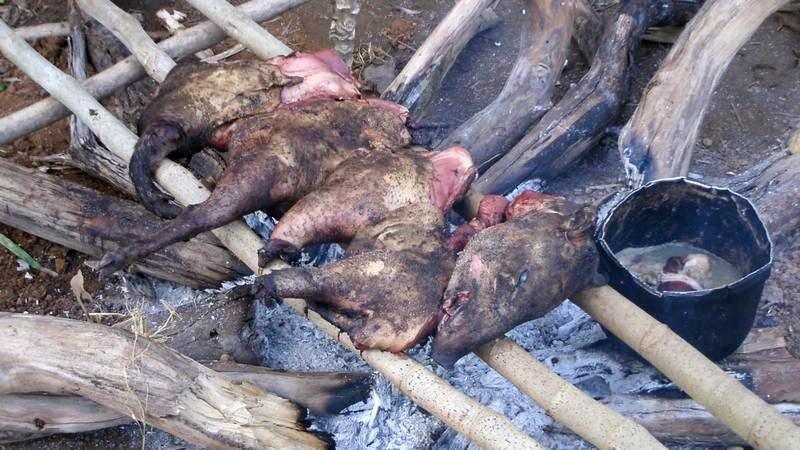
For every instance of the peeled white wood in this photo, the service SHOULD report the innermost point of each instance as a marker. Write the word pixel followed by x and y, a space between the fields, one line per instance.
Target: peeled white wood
pixel 242 28
pixel 129 31
pixel 45 30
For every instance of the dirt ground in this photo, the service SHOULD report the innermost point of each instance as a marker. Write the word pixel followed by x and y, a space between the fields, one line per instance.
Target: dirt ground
pixel 753 112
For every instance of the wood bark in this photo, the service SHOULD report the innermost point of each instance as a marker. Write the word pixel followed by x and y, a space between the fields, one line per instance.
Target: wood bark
pixel 526 95
pixel 775 188
pixel 750 417
pixel 421 77
pixel 479 423
pixel 127 29
pixel 588 29
pixel 146 380
pixel 127 71
pixel 581 117
pixel 602 427
pixel 658 141
pixel 45 30
pixel 242 28
pixel 93 223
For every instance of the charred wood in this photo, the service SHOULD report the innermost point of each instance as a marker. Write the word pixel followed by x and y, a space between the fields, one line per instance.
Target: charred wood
pixel 93 223
pixel 526 94
pixel 581 117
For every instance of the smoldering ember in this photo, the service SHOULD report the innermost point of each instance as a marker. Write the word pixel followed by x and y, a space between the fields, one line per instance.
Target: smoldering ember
pixel 407 224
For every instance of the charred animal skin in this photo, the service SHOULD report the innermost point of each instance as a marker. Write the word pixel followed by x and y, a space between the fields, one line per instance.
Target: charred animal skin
pixel 276 158
pixel 386 293
pixel 197 99
pixel 367 187
pixel 514 272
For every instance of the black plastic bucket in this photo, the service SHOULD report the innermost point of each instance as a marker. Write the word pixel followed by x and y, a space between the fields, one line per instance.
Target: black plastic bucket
pixel 715 321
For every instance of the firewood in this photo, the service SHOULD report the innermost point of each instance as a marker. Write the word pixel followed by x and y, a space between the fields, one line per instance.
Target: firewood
pixel 45 30
pixel 146 380
pixel 750 417
pixel 342 32
pixel 127 71
pixel 477 422
pixel 575 123
pixel 588 29
pixel 242 28
pixel 775 189
pixel 421 77
pixel 93 223
pixel 127 29
pixel 658 141
pixel 526 94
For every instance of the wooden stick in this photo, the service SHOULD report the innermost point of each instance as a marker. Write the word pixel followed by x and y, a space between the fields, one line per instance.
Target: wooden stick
pixel 155 61
pixel 488 428
pixel 775 188
pixel 599 425
pixel 242 28
pixel 93 223
pixel 423 74
pixel 148 381
pixel 657 142
pixel 45 30
pixel 127 71
pixel 745 413
pixel 526 94
pixel 581 117
pixel 343 28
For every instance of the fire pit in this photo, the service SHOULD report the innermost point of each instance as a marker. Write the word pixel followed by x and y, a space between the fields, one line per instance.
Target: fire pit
pixel 714 319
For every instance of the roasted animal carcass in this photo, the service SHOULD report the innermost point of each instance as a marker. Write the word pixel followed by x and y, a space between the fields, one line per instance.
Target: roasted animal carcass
pixel 365 188
pixel 386 292
pixel 278 158
pixel 197 102
pixel 514 272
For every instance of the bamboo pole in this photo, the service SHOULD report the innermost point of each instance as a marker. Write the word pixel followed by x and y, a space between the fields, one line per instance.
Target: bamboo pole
pixel 745 413
pixel 129 31
pixel 658 140
pixel 591 420
pixel 45 30
pixel 199 37
pixel 242 28
pixel 478 423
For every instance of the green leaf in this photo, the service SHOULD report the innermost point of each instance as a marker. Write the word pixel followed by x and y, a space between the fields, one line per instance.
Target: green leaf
pixel 3 86
pixel 19 252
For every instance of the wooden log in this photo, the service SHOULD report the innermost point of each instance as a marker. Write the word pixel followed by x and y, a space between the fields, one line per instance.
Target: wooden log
pixel 588 29
pixel 526 95
pixel 479 423
pixel 45 30
pixel 125 72
pixel 127 29
pixel 599 425
pixel 749 416
pixel 658 141
pixel 93 223
pixel 26 417
pixel 242 28
pixel 421 77
pixel 581 117
pixel 148 381
pixel 775 188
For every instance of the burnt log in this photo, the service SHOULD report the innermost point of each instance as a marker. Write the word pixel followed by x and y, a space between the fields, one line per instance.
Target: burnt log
pixel 148 381
pixel 526 94
pixel 581 117
pixel 658 141
pixel 93 223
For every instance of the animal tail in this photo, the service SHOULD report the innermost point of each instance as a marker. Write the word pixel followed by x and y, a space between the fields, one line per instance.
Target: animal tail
pixel 158 141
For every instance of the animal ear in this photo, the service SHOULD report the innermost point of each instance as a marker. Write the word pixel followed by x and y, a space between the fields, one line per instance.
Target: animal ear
pixel 579 224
